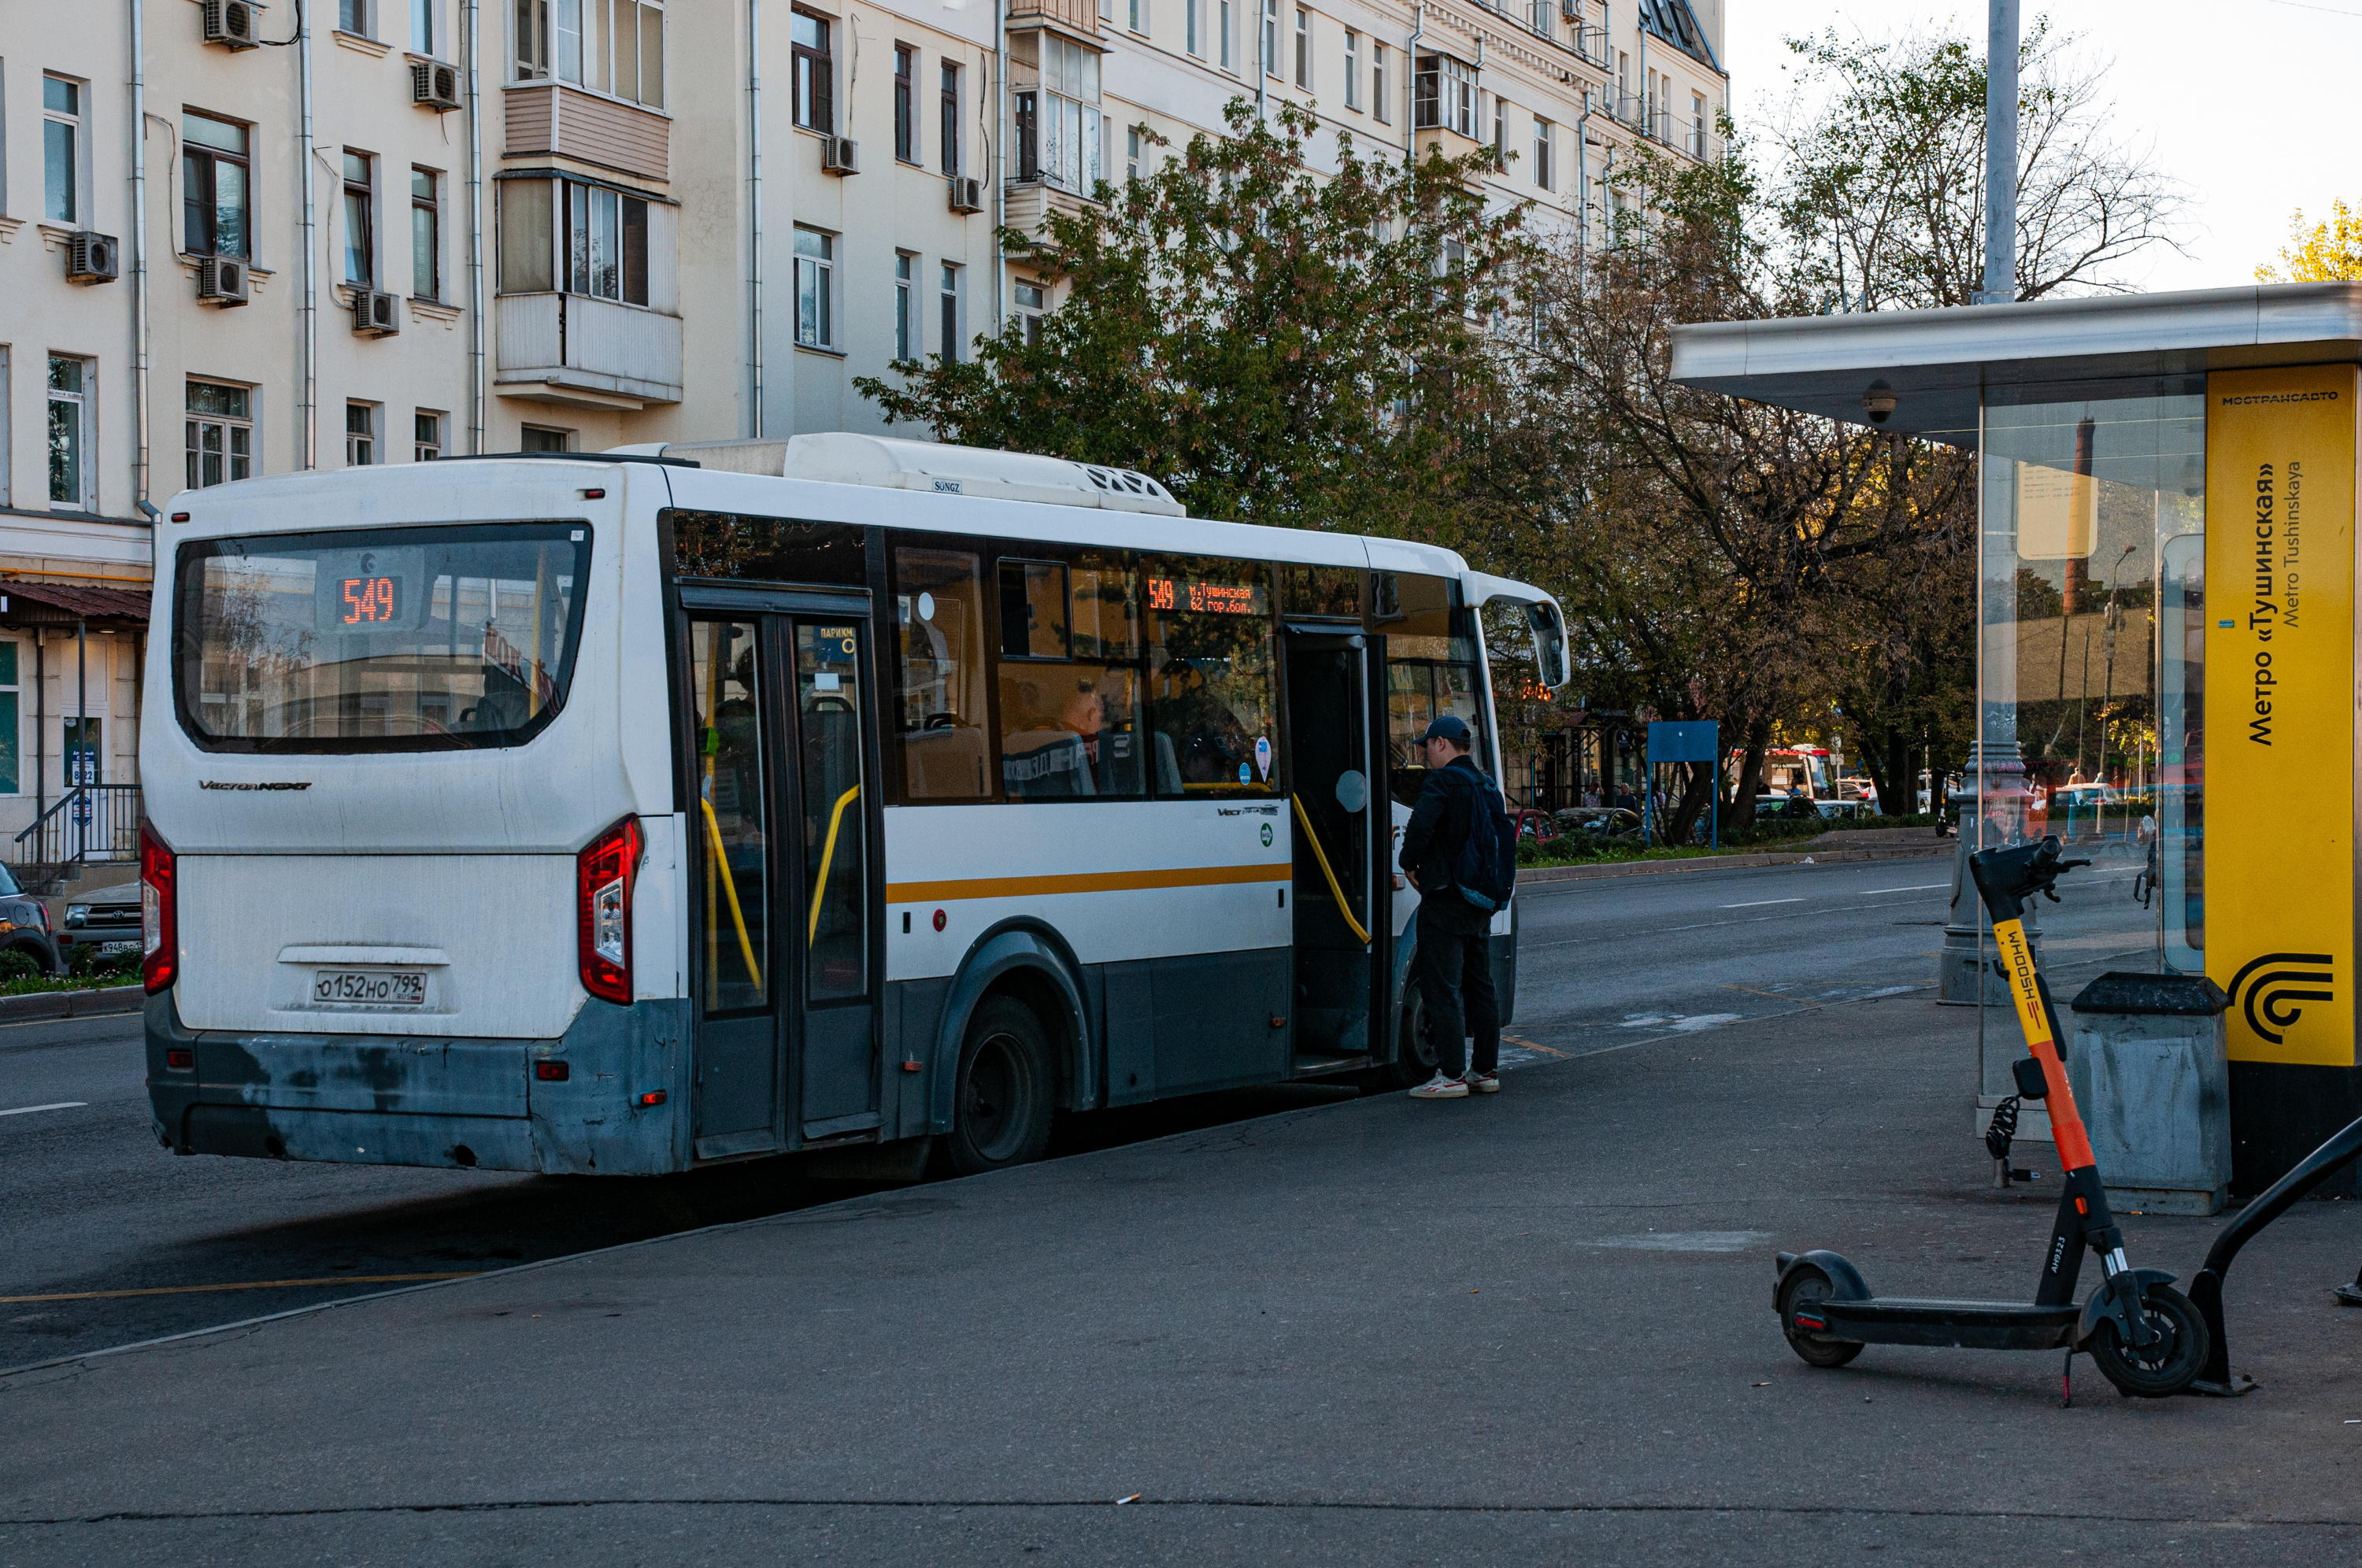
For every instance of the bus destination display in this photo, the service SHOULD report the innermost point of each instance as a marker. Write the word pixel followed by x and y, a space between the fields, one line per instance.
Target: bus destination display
pixel 1207 598
pixel 371 600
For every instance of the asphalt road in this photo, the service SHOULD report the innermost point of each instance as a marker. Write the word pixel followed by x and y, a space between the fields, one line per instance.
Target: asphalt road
pixel 92 1208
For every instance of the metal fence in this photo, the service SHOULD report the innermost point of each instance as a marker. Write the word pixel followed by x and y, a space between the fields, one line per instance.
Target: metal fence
pixel 90 822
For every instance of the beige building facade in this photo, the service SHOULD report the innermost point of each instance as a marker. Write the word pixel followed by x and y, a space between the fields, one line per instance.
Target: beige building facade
pixel 240 238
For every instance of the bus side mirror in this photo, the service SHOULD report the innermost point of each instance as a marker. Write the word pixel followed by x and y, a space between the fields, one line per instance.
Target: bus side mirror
pixel 1551 664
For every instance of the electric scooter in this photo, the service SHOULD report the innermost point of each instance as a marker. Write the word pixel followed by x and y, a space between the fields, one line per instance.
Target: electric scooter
pixel 2146 1337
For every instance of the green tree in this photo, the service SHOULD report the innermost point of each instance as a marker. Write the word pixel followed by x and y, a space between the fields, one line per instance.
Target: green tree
pixel 1276 340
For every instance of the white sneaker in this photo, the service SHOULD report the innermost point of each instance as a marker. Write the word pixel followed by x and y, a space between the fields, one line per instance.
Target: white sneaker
pixel 1483 1083
pixel 1440 1087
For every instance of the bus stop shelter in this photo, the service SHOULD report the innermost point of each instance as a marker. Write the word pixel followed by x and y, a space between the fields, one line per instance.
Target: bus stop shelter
pixel 2133 451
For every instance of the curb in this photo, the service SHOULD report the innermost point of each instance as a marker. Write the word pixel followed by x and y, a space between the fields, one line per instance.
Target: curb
pixel 1728 862
pixel 113 1001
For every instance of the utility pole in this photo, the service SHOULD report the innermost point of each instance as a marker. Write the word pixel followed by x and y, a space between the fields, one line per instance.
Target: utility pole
pixel 2000 155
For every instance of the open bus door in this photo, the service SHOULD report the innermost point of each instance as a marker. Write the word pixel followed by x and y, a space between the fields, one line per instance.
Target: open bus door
pixel 785 887
pixel 1342 832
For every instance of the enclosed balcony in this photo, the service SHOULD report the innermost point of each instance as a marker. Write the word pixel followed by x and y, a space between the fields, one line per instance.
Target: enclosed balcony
pixel 590 352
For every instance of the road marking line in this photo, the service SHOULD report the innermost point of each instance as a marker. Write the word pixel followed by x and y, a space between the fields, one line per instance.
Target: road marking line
pixel 1915 887
pixel 1545 1050
pixel 62 1104
pixel 1759 903
pixel 247 1285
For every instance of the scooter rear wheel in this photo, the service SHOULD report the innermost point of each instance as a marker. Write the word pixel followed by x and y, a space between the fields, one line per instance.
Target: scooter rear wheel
pixel 1806 1284
pixel 2171 1364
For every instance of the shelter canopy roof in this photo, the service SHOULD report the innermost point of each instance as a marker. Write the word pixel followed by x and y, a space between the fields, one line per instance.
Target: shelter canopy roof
pixel 1940 363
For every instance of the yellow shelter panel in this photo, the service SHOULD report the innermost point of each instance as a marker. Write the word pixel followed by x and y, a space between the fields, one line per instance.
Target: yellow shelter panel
pixel 2279 769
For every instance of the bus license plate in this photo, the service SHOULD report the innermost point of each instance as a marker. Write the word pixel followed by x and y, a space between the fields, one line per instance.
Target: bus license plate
pixel 369 988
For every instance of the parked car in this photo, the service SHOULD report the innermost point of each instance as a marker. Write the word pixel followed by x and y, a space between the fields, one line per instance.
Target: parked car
pixel 1603 822
pixel 25 925
pixel 1787 808
pixel 104 923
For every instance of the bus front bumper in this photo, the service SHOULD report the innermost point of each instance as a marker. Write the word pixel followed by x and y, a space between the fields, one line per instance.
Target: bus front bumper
pixel 619 1110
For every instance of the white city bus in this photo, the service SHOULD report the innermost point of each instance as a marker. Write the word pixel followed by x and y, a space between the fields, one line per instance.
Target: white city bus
pixel 627 813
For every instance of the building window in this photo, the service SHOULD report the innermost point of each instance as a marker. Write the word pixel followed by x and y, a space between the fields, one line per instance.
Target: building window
pixel 1058 126
pixel 906 104
pixel 541 438
pixel 1380 108
pixel 360 239
pixel 1270 38
pixel 220 434
pixel 426 234
pixel 815 74
pixel 815 288
pixel 607 244
pixel 424 36
pixel 1544 139
pixel 1353 70
pixel 1192 24
pixel 528 242
pixel 1107 10
pixel 61 147
pixel 1500 132
pixel 1697 125
pixel 950 313
pixel 1137 20
pixel 1443 95
pixel 213 172
pixel 1304 48
pixel 1030 303
pixel 1226 27
pixel 609 46
pixel 11 748
pixel 1543 22
pixel 425 436
pixel 361 434
pixel 71 472
pixel 353 17
pixel 1132 154
pixel 907 341
pixel 951 117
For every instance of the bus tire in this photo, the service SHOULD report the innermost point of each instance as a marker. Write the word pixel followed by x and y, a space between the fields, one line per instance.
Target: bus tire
pixel 1415 1054
pixel 1002 1098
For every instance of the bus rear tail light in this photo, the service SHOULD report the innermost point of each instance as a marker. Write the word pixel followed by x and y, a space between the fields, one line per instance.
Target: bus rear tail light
pixel 160 923
pixel 603 874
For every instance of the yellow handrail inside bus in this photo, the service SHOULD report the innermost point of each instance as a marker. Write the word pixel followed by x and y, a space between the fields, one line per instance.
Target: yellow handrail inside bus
pixel 730 886
pixel 1343 906
pixel 827 854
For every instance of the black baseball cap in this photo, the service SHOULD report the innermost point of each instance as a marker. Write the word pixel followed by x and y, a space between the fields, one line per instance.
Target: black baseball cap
pixel 1447 728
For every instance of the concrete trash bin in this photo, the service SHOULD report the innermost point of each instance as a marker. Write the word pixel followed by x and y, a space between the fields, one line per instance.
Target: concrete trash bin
pixel 2151 1074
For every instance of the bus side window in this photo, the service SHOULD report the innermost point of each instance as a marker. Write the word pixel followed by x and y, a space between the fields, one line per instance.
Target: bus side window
pixel 1069 679
pixel 939 712
pixel 1212 703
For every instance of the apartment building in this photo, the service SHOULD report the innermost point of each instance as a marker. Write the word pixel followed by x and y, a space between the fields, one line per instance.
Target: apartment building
pixel 239 238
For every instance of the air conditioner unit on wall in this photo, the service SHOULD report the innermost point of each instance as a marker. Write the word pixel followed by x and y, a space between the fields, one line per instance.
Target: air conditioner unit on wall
pixel 231 23
pixel 93 257
pixel 376 315
pixel 433 86
pixel 221 280
pixel 839 155
pixel 967 194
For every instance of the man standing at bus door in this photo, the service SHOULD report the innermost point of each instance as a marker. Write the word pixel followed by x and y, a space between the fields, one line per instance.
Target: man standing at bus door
pixel 1454 964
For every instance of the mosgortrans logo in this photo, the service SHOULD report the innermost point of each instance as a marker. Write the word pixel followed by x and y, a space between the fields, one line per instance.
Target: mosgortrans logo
pixel 2269 988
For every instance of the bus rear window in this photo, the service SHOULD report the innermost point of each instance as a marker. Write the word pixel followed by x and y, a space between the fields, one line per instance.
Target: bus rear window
pixel 404 639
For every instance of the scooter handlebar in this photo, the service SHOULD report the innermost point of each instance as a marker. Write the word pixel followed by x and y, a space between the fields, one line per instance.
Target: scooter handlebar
pixel 2006 878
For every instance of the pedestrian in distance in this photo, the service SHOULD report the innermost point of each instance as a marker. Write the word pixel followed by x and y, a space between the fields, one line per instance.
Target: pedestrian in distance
pixel 1461 854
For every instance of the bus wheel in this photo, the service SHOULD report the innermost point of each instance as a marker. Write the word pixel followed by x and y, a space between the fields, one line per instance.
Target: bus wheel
pixel 1001 1108
pixel 1414 1061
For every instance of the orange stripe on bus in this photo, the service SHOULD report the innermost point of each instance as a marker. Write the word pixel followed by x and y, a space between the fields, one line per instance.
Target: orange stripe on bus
pixel 1083 882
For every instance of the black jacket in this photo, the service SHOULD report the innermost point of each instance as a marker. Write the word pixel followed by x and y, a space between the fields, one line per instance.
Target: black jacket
pixel 1431 844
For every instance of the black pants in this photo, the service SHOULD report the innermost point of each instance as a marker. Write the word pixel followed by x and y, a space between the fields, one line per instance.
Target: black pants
pixel 1456 982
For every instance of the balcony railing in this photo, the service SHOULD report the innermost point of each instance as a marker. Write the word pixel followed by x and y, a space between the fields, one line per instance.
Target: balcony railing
pixel 1074 16
pixel 588 345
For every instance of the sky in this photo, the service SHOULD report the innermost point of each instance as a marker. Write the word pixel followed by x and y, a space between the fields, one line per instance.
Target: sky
pixel 2245 103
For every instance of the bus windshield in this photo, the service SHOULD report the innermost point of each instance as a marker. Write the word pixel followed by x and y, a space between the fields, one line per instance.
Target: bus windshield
pixel 409 639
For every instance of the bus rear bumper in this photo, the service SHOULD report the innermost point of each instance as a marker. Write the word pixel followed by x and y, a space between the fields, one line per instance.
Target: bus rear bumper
pixel 414 1101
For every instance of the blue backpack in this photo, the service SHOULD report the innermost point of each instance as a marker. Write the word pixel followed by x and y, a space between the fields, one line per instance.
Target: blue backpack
pixel 1486 869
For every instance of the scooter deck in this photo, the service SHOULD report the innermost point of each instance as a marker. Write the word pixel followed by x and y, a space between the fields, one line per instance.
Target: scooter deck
pixel 1974 1325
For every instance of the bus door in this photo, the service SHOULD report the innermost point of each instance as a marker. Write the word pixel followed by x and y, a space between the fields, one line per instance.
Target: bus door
pixel 785 894
pixel 1337 812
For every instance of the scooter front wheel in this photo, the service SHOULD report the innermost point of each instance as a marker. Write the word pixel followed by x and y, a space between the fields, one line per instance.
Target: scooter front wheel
pixel 2167 1366
pixel 1805 1285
